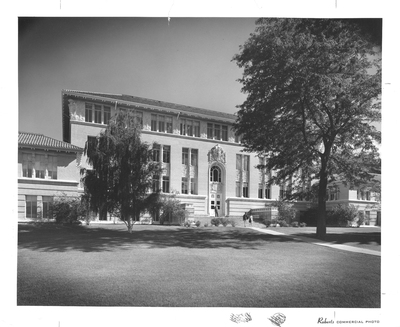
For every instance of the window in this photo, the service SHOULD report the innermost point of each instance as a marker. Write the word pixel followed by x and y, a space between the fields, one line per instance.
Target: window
pixel 184 185
pixel 368 196
pixel 215 174
pixel 189 127
pixel 210 131
pixel 165 184
pixel 39 166
pixel 267 192
pixel 246 161
pixel 260 191
pixel 154 123
pixel 107 115
pixel 217 132
pixel 245 190
pixel 156 183
pixel 31 206
pixel 138 115
pixel 161 123
pixel 238 193
pixel 193 186
pixel 185 156
pixel 156 153
pixel 239 162
pixel 238 138
pixel 196 128
pixel 193 157
pixel 224 133
pixel 166 153
pixel 168 122
pixel 88 112
pixel 27 165
pixel 97 114
pixel 47 201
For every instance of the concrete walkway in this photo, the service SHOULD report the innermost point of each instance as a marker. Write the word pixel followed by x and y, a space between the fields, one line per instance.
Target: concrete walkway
pixel 317 242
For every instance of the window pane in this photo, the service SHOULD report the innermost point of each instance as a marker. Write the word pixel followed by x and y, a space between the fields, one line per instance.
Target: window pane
pixel 183 127
pixel 184 185
pixel 224 133
pixel 189 127
pixel 193 159
pixel 193 186
pixel 166 153
pixel 97 114
pixel 88 112
pixel 161 124
pixel 196 126
pixel 238 189
pixel 107 115
pixel 185 156
pixel 156 153
pixel 165 184
pixel 209 131
pixel 239 161
pixel 217 132
pixel 154 123
pixel 168 121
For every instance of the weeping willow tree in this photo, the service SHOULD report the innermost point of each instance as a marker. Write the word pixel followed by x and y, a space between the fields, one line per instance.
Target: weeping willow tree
pixel 313 93
pixel 120 180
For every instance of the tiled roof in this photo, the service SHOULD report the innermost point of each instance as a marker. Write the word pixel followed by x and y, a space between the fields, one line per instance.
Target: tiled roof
pixel 40 141
pixel 155 103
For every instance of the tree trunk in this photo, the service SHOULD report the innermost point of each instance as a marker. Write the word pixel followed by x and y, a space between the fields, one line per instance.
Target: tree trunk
pixel 323 183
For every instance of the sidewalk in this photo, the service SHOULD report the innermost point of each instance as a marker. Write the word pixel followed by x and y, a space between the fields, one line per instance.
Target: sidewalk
pixel 318 242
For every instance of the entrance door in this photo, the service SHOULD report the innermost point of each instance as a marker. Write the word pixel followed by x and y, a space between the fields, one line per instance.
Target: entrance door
pixel 215 204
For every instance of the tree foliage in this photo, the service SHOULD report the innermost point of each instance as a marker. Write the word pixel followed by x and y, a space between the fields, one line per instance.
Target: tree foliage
pixel 313 91
pixel 123 170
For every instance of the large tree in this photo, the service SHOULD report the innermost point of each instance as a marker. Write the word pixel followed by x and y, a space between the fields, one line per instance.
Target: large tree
pixel 120 180
pixel 313 92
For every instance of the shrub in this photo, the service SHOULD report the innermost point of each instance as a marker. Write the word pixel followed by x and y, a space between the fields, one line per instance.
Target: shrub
pixel 215 221
pixel 233 222
pixel 342 215
pixel 68 209
pixel 282 223
pixel 224 222
pixel 285 211
pixel 303 224
pixel 267 222
pixel 295 224
pixel 198 223
pixel 206 225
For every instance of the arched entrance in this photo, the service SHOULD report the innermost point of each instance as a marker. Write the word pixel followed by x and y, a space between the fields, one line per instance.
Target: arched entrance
pixel 216 180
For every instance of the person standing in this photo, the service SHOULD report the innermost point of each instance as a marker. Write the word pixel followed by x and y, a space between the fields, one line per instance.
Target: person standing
pixel 251 220
pixel 245 219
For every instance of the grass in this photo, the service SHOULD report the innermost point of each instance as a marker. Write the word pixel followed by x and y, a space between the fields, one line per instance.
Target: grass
pixel 166 266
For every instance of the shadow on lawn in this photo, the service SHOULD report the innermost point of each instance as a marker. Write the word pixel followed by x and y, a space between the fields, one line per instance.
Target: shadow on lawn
pixel 349 237
pixel 51 237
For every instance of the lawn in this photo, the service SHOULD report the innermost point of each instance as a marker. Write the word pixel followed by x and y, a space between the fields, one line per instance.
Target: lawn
pixel 167 266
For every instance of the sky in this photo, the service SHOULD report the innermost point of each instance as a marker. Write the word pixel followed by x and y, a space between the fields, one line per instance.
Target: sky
pixel 182 60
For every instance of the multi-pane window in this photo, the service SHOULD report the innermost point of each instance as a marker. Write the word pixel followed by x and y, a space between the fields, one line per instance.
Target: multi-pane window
pixel 31 206
pixel 88 112
pixel 238 193
pixel 161 123
pixel 215 174
pixel 260 191
pixel 166 154
pixel 193 157
pixel 39 166
pixel 193 186
pixel 107 114
pixel 267 192
pixel 238 138
pixel 245 190
pixel 189 127
pixel 185 156
pixel 156 183
pixel 96 113
pixel 46 203
pixel 224 133
pixel 217 132
pixel 196 128
pixel 165 184
pixel 156 152
pixel 242 175
pixel 137 114
pixel 185 185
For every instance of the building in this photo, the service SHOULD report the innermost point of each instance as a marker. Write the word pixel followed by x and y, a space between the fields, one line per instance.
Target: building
pixel 46 168
pixel 201 155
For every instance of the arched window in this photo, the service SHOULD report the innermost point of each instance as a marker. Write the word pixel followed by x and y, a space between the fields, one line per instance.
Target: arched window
pixel 215 174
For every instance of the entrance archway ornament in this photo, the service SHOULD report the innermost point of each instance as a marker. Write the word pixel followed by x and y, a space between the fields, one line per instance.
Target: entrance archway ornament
pixel 217 154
